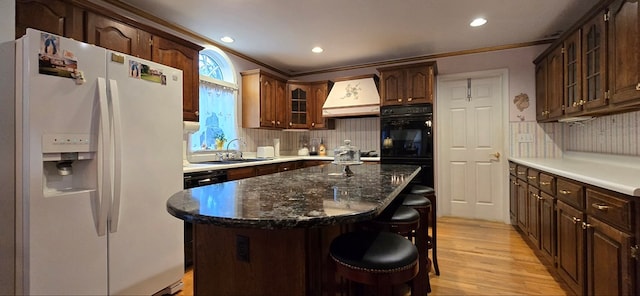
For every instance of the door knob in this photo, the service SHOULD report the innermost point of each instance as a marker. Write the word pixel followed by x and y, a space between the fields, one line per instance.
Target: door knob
pixel 496 155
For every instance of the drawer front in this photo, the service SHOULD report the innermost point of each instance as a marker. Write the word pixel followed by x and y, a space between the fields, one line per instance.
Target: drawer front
pixel 547 183
pixel 532 177
pixel 614 209
pixel 241 173
pixel 571 193
pixel 521 172
pixel 512 168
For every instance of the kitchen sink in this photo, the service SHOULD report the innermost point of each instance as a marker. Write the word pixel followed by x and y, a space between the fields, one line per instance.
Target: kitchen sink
pixel 241 160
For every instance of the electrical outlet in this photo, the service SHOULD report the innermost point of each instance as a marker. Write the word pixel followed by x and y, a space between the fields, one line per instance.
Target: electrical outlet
pixel 525 138
pixel 242 248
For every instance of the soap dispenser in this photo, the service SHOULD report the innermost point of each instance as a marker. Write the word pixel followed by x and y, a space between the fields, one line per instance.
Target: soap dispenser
pixel 322 150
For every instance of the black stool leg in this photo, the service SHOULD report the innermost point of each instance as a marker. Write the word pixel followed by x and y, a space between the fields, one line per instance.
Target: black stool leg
pixel 421 243
pixel 434 249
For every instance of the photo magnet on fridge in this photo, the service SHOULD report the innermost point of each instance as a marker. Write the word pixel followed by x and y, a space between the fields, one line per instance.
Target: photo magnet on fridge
pixel 50 62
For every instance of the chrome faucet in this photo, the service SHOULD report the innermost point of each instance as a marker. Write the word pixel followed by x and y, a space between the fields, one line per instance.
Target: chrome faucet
pixel 236 139
pixel 239 141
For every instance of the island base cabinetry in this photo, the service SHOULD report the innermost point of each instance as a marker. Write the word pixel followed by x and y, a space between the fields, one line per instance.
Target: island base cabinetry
pixel 242 261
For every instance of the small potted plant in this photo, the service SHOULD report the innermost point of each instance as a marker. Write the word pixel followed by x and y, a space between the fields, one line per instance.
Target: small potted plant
pixel 220 140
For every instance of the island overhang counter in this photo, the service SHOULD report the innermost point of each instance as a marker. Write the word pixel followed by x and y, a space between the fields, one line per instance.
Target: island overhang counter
pixel 269 235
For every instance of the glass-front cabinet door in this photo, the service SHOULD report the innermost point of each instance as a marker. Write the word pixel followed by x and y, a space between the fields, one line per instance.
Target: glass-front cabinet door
pixel 298 106
pixel 593 63
pixel 572 65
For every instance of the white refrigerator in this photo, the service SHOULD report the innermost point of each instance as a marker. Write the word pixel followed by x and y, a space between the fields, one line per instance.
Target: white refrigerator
pixel 97 140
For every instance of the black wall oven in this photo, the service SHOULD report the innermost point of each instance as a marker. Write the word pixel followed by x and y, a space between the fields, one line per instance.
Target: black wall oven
pixel 406 137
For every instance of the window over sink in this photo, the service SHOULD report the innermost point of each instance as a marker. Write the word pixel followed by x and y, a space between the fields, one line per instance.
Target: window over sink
pixel 218 101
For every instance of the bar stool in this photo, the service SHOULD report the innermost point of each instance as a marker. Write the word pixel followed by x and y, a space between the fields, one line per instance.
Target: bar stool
pixel 406 221
pixel 423 206
pixel 430 194
pixel 381 259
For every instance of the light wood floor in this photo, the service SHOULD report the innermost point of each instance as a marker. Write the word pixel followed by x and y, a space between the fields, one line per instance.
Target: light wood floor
pixel 479 258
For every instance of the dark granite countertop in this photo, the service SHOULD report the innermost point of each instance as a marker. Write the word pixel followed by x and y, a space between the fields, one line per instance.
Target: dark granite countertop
pixel 310 197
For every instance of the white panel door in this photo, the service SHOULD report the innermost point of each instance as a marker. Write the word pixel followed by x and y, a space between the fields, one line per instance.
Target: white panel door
pixel 62 251
pixel 145 241
pixel 470 137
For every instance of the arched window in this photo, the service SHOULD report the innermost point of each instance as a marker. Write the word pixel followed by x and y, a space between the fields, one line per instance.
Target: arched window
pixel 218 92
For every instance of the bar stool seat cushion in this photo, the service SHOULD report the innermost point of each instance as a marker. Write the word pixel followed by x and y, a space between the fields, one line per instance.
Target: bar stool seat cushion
pixel 422 189
pixel 399 215
pixel 415 200
pixel 374 251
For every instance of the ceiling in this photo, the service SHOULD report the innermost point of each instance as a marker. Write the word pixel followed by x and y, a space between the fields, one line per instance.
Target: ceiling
pixel 281 33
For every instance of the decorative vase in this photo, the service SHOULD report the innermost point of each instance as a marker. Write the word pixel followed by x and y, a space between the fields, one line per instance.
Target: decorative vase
pixel 219 144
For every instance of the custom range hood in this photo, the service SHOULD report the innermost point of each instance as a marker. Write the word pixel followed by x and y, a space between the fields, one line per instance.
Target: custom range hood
pixel 353 97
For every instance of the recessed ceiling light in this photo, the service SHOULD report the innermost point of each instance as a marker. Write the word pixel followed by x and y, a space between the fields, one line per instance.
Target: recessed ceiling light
pixel 317 49
pixel 227 39
pixel 478 22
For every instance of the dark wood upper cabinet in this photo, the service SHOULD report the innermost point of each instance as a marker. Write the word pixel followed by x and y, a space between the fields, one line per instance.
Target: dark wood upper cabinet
pixel 94 24
pixel 110 34
pixel 601 63
pixel 174 54
pixel 264 100
pixel 572 73
pixel 53 16
pixel 555 88
pixel 594 63
pixel 624 53
pixel 319 92
pixel 407 84
pixel 298 103
pixel 542 107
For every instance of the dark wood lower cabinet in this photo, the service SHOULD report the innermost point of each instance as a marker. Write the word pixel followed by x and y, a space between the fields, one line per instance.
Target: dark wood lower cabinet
pixel 588 234
pixel 513 199
pixel 609 271
pixel 571 250
pixel 522 205
pixel 548 227
pixel 533 213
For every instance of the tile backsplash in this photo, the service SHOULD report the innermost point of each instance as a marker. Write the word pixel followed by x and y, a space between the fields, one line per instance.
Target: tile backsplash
pixel 363 133
pixel 617 134
pixel 614 134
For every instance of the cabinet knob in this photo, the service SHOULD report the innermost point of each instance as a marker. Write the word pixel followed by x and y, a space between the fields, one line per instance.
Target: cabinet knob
pixel 278 122
pixel 575 104
pixel 576 220
pixel 409 99
pixel 581 102
pixel 290 123
pixel 273 122
pixel 197 113
pixel 531 177
pixel 545 183
pixel 565 192
pixel 638 86
pixel 585 225
pixel 399 100
pixel 313 124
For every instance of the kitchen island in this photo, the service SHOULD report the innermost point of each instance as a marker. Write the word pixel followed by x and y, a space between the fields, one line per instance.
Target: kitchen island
pixel 269 235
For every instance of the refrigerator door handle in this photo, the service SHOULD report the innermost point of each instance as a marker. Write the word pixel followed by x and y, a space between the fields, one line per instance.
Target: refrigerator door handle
pixel 104 153
pixel 117 165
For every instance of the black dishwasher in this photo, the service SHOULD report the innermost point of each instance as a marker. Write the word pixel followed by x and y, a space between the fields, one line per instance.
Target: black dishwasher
pixel 197 179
